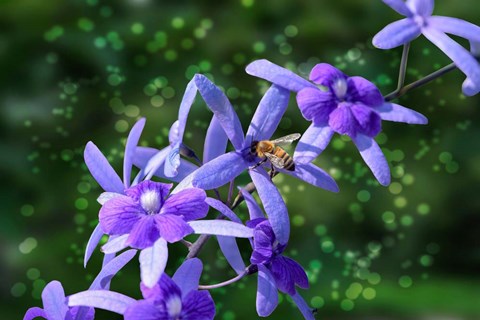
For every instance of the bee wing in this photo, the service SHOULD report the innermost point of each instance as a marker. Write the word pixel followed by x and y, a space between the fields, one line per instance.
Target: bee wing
pixel 276 161
pixel 284 141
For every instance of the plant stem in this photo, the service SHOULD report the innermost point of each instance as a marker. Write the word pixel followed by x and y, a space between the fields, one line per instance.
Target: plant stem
pixel 403 67
pixel 223 284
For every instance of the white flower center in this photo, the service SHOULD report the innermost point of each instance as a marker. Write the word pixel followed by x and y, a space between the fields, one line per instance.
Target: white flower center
pixel 174 306
pixel 150 201
pixel 340 88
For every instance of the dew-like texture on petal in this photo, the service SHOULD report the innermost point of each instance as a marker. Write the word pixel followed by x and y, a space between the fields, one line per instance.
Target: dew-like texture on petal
pixel 325 74
pixel 315 104
pixel 172 227
pixel 315 139
pixel 280 76
pixel 306 311
pixel 223 209
pixel 374 158
pixel 267 296
pixel 101 299
pixel 119 215
pixel 54 301
pixel 254 209
pixel 268 114
pixel 34 312
pixel 397 113
pixel 230 250
pixel 152 262
pixel 462 58
pixel 396 34
pixel 198 305
pixel 215 141
pixel 146 310
pixel 456 27
pixel 399 6
pixel 111 269
pixel 219 171
pixel 189 203
pixel 185 105
pixel 273 204
pixel 313 175
pixel 144 233
pixel 188 275
pixel 101 170
pixel 421 7
pixel 130 146
pixel 362 90
pixel 218 102
pixel 221 228
pixel 92 243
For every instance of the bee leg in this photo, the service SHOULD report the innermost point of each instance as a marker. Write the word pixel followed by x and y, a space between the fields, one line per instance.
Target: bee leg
pixel 272 172
pixel 258 164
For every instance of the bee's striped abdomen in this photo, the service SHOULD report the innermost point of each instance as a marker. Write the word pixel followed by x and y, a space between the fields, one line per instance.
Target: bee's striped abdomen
pixel 288 163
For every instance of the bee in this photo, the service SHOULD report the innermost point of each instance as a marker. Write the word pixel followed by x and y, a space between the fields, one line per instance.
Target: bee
pixel 272 150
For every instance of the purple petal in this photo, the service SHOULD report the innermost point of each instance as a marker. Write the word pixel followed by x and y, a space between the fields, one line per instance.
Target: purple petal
pixel 101 170
pixel 298 274
pixel 172 227
pixel 92 243
pixel 326 75
pixel 151 160
pixel 343 121
pixel 459 55
pixel 221 228
pixel 105 196
pixel 469 88
pixel 185 105
pixel 396 34
pixel 313 175
pixel 267 296
pixel 268 114
pixel 165 289
pixel 263 240
pixel 54 301
pixel 114 245
pixel 223 110
pixel 374 158
pixel 397 113
pixel 362 90
pixel 315 104
pixel 280 76
pixel 34 312
pixel 253 208
pixel 312 143
pixel 421 7
pixel 368 120
pixel 223 209
pixel 119 215
pixel 82 313
pixel 188 275
pixel 152 262
pixel 230 250
pixel 102 299
pixel 215 141
pixel 399 6
pixel 307 312
pixel 219 171
pixel 198 305
pixel 283 276
pixel 172 161
pixel 273 204
pixel 145 310
pixel 456 27
pixel 130 146
pixel 189 203
pixel 111 269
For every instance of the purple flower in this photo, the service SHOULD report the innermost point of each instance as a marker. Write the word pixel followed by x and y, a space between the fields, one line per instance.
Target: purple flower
pixel 351 106
pixel 419 20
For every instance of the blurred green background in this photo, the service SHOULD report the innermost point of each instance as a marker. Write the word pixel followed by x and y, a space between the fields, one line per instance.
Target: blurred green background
pixel 80 70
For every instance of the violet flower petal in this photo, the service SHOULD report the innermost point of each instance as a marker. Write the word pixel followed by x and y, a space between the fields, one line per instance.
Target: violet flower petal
pixel 268 114
pixel 221 228
pixel 223 209
pixel 92 243
pixel 315 104
pixel 267 296
pixel 185 105
pixel 298 274
pixel 102 299
pixel 306 311
pixel 229 248
pixel 254 209
pixel 280 76
pixel 115 244
pixel 54 301
pixel 273 204
pixel 325 74
pixel 215 141
pixel 421 7
pixel 172 161
pixel 152 262
pixel 397 113
pixel 374 158
pixel 313 175
pixel 130 146
pixel 101 170
pixel 362 90
pixel 151 160
pixel 119 215
pixel 463 59
pixel 189 203
pixel 283 277
pixel 370 123
pixel 34 312
pixel 396 34
pixel 198 305
pixel 399 6
pixel 105 196
pixel 343 121
pixel 315 139
pixel 188 275
pixel 172 228
pixel 218 102
pixel 144 233
pixel 145 310
pixel 111 269
pixel 456 27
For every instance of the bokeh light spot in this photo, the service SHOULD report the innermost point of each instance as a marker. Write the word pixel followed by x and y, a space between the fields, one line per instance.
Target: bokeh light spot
pixel 27 210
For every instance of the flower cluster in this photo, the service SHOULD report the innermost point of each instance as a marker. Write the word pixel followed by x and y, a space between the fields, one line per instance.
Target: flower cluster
pixel 141 214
